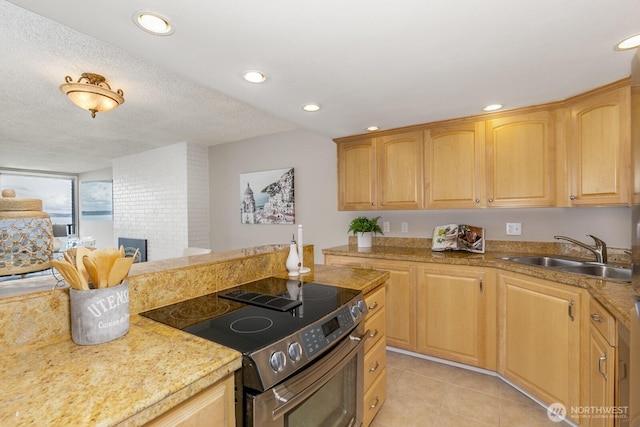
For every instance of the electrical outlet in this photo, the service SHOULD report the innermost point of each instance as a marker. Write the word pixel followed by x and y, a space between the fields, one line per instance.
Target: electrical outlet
pixel 404 227
pixel 386 226
pixel 514 229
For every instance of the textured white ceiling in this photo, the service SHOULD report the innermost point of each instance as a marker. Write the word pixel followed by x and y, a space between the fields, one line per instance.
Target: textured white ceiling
pixel 365 61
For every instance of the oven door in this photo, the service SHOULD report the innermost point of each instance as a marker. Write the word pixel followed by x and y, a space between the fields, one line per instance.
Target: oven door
pixel 328 393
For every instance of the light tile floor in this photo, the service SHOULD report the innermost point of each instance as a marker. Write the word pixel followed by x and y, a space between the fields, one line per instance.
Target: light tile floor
pixel 425 393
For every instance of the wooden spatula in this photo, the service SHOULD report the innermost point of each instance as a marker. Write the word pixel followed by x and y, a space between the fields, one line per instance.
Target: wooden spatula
pixel 119 271
pixel 70 274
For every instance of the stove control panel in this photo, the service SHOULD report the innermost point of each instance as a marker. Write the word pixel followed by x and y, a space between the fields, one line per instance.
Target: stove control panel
pixel 294 352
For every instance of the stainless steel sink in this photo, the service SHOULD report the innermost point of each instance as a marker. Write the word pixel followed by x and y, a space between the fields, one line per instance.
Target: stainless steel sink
pixel 545 261
pixel 600 270
pixel 569 265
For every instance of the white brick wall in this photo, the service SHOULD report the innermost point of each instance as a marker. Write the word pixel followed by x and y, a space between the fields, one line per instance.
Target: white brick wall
pixel 153 199
pixel 198 195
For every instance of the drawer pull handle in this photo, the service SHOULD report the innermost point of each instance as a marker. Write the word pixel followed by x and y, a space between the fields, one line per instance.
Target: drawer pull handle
pixel 374 306
pixel 375 368
pixel 375 403
pixel 596 318
pixel 373 334
pixel 600 360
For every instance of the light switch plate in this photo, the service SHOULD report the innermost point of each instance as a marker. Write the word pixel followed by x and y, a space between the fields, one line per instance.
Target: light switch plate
pixel 386 226
pixel 514 229
pixel 404 227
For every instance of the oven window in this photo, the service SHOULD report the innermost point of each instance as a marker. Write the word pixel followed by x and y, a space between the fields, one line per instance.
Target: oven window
pixel 333 405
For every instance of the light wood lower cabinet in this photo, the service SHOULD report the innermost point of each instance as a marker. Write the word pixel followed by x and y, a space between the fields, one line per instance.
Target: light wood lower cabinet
pixel 375 357
pixel 599 378
pixel 456 314
pixel 539 337
pixel 401 306
pixel 400 297
pixel 554 341
pixel 213 406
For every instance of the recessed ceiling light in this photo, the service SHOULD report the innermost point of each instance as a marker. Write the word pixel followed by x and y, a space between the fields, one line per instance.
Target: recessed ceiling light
pixel 492 107
pixel 310 108
pixel 629 43
pixel 253 76
pixel 372 128
pixel 153 23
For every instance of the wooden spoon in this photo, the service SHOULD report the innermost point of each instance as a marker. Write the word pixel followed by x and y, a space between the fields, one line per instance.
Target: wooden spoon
pixel 81 251
pixel 92 270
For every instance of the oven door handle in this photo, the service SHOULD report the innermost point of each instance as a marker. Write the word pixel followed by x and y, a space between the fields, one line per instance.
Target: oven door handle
pixel 291 393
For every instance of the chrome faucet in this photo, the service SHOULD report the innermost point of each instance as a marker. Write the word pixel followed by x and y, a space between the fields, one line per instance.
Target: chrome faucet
pixel 599 250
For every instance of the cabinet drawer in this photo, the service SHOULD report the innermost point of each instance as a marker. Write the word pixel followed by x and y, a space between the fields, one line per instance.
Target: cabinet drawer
pixel 374 397
pixel 375 301
pixel 375 362
pixel 603 321
pixel 376 327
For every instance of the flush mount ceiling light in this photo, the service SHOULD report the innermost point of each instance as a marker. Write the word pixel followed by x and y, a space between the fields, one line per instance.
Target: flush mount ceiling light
pixel 492 107
pixel 93 93
pixel 153 23
pixel 254 76
pixel 372 128
pixel 311 108
pixel 629 43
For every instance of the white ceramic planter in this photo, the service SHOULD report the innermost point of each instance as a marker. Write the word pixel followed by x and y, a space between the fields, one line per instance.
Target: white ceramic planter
pixel 365 239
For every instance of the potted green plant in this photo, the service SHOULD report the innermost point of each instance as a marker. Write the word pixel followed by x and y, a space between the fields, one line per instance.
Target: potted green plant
pixel 365 228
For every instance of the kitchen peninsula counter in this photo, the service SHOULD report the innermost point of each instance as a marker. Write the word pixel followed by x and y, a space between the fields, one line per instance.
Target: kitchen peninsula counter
pixel 617 297
pixel 135 378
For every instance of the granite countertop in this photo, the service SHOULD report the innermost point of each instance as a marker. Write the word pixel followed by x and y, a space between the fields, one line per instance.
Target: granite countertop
pixel 128 381
pixel 617 297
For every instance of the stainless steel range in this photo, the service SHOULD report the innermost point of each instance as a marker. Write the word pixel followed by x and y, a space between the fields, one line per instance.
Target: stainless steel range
pixel 302 346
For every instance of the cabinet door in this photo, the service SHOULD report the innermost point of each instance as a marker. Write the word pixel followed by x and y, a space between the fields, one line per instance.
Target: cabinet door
pixel 400 305
pixel 600 378
pixel 454 166
pixel 356 175
pixel 452 314
pixel 539 337
pixel 399 177
pixel 520 161
pixel 599 153
pixel 211 407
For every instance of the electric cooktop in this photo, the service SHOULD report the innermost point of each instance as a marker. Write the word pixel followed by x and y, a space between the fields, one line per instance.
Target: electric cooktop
pixel 252 316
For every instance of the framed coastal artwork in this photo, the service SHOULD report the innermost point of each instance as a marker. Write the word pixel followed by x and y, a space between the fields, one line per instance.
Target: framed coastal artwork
pixel 96 200
pixel 267 197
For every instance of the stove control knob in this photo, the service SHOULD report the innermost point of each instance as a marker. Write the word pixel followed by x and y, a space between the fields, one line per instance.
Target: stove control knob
pixel 355 311
pixel 278 361
pixel 362 306
pixel 295 351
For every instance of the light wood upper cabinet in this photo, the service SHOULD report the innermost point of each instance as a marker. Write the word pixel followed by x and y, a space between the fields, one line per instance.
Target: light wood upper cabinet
pixel 539 337
pixel 356 175
pixel 520 161
pixel 456 314
pixel 381 173
pixel 454 166
pixel 507 161
pixel 599 149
